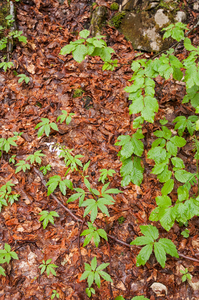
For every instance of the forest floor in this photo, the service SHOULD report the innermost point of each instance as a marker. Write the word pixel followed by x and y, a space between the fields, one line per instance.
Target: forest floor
pixel 101 115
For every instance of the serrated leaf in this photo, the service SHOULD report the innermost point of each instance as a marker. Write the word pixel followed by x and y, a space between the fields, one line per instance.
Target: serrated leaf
pixel 142 240
pixel 144 255
pixel 160 254
pixel 149 231
pixel 169 247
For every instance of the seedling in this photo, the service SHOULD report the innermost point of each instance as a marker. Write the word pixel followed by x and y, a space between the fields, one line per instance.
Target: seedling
pixel 185 233
pixel 22 165
pixel 94 233
pixel 6 254
pixel 45 126
pixel 49 268
pixel 54 181
pixel 47 217
pixel 65 117
pixel 22 78
pixel 90 291
pixel 93 273
pixel 35 157
pixel 186 275
pixel 6 143
pixel 161 247
pixel 104 174
pixel 45 169
pixel 54 294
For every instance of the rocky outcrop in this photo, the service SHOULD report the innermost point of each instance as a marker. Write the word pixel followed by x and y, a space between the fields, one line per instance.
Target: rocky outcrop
pixel 144 20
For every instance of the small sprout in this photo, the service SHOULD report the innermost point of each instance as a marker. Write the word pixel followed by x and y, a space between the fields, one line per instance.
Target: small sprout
pixel 65 117
pixel 12 159
pixel 22 165
pixel 45 126
pixel 47 217
pixel 186 275
pixel 49 268
pixel 54 294
pixel 44 169
pixel 22 78
pixel 104 174
pixel 185 233
pixel 6 254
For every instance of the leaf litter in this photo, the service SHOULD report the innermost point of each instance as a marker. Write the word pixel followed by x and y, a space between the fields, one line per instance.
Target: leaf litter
pixel 101 115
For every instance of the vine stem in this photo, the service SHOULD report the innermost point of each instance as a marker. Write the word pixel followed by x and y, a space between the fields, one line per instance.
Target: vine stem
pixel 82 221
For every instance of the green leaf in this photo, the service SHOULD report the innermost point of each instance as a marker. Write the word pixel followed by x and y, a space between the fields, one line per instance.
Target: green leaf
pixel 150 231
pixel 79 53
pixel 144 255
pixel 168 187
pixel 84 33
pixel 157 154
pixel 169 247
pixel 142 240
pixel 178 141
pixel 182 175
pixel 160 254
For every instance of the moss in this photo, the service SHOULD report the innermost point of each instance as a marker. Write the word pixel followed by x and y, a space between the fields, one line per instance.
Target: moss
pixel 94 3
pixel 117 19
pixel 114 6
pixel 78 93
pixel 121 220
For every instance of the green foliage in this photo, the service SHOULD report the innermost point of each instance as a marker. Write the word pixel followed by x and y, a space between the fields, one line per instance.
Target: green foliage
pixel 6 254
pixel 161 248
pixel 12 159
pixel 104 174
pixel 92 205
pixel 185 233
pixel 6 195
pixel 22 165
pixel 93 273
pixel 6 143
pixel 186 275
pixel 90 291
pixel 54 294
pixel 22 78
pixel 6 65
pixel 176 31
pixel 94 46
pixel 131 169
pixel 45 169
pixel 54 181
pixel 65 117
pixel 48 267
pixel 94 233
pixel 182 123
pixel 47 217
pixel 35 157
pixel 71 161
pixel 45 126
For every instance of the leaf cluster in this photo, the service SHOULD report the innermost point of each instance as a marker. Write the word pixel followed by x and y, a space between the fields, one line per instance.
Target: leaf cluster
pixel 47 217
pixel 92 273
pixel 161 248
pixel 48 267
pixel 94 46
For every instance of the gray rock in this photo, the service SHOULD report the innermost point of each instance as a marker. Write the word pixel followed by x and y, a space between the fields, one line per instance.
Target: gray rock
pixel 144 20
